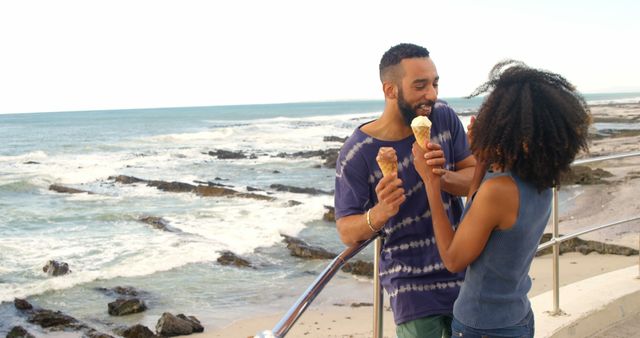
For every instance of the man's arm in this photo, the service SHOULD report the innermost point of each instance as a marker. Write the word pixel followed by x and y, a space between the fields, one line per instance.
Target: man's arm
pixel 457 182
pixel 354 228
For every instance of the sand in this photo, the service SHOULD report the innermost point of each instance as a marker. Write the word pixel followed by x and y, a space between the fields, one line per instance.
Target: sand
pixel 332 315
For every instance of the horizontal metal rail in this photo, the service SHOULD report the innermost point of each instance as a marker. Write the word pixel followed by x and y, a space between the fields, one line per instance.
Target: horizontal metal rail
pixel 563 238
pixel 605 158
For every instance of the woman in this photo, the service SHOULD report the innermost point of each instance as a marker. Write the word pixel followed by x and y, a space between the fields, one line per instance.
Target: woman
pixel 528 131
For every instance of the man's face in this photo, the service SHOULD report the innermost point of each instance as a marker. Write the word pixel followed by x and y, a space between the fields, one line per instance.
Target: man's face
pixel 418 90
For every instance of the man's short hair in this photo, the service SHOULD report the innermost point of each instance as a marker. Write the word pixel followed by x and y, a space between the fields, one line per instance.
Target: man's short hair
pixel 395 55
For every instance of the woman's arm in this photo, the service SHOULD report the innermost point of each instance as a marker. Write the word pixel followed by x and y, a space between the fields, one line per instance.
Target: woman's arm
pixel 495 205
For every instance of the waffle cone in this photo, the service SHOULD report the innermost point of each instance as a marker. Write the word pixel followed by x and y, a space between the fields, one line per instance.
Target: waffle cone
pixel 387 160
pixel 388 167
pixel 423 135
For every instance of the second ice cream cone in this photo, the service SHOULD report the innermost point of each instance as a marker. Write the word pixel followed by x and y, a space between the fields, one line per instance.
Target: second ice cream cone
pixel 421 127
pixel 387 160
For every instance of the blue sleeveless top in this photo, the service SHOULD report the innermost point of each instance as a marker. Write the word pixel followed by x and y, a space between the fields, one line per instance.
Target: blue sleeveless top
pixel 494 293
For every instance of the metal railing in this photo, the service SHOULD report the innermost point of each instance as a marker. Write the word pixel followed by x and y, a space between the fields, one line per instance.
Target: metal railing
pixel 298 308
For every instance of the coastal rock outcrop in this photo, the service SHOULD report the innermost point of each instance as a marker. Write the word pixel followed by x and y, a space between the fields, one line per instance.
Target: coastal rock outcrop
pixel 55 268
pixel 298 190
pixel 169 325
pixel 156 222
pixel 586 247
pixel 137 331
pixel 201 190
pixel 229 258
pixel 359 268
pixel 126 306
pixel 67 190
pixel 300 248
pixel 127 291
pixel 330 215
pixel 584 175
pixel 329 155
pixel 19 332
pixel 335 139
pixel 230 155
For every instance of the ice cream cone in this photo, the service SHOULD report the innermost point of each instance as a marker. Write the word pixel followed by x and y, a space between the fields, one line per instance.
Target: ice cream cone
pixel 387 160
pixel 421 127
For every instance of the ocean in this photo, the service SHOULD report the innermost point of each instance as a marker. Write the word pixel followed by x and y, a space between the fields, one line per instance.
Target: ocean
pixel 102 239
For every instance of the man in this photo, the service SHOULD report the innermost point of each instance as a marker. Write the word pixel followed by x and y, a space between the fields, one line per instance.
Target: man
pixel 421 290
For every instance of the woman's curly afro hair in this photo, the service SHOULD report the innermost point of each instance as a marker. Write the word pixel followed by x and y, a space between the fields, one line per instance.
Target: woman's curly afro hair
pixel 532 123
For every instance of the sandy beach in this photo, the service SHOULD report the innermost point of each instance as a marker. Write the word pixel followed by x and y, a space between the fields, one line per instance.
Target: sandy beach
pixel 343 309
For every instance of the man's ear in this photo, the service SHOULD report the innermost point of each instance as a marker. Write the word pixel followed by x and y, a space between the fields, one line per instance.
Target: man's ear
pixel 390 90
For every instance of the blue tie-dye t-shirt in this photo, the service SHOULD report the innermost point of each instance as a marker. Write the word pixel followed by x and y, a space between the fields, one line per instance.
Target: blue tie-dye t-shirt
pixel 411 270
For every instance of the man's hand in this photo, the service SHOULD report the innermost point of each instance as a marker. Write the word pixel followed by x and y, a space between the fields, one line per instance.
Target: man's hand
pixel 390 196
pixel 470 130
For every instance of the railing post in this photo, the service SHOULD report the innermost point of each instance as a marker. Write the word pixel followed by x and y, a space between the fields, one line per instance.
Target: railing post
pixel 556 255
pixel 638 256
pixel 377 290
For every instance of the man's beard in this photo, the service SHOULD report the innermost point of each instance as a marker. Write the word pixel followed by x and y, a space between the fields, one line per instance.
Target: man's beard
pixel 408 112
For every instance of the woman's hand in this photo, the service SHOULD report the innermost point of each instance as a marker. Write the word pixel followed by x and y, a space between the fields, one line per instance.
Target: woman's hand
pixel 429 164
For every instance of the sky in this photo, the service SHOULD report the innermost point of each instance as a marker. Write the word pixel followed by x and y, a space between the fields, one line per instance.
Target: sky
pixel 91 55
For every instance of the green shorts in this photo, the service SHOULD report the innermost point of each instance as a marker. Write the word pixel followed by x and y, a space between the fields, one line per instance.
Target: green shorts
pixel 427 327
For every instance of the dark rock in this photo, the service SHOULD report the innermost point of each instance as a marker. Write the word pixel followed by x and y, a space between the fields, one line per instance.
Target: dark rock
pixel 127 179
pixel 330 215
pixel 360 268
pixel 55 268
pixel 172 186
pixel 22 304
pixel 581 174
pixel 67 190
pixel 218 191
pixel 300 248
pixel 586 247
pixel 361 304
pixel 123 307
pixel 228 155
pixel 329 155
pixel 195 323
pixel 331 159
pixel 120 290
pixel 137 331
pixel 157 222
pixel 229 258
pixel 19 332
pixel 334 139
pixel 297 190
pixel 253 189
pixel 276 172
pixel 93 333
pixel 293 203
pixel 48 318
pixel 169 325
pixel 30 162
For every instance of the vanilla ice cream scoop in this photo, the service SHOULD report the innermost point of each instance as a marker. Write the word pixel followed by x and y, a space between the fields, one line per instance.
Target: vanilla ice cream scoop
pixel 421 127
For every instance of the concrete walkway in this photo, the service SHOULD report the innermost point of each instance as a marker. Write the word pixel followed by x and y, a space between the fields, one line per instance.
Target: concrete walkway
pixel 590 307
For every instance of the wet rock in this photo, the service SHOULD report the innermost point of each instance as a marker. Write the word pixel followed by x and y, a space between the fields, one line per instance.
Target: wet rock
pixel 47 318
pixel 297 190
pixel 19 332
pixel 330 215
pixel 334 139
pixel 93 333
pixel 227 155
pixel 31 162
pixel 300 248
pixel 293 203
pixel 253 189
pixel 276 172
pixel 67 190
pixel 127 291
pixel 206 191
pixel 55 268
pixel 584 175
pixel 331 159
pixel 157 222
pixel 229 258
pixel 22 304
pixel 360 268
pixel 172 186
pixel 587 246
pixel 137 331
pixel 361 304
pixel 127 179
pixel 329 155
pixel 123 306
pixel 169 325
